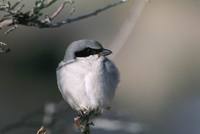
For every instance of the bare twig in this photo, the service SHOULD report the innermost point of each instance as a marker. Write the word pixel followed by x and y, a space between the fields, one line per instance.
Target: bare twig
pixel 58 11
pixel 11 29
pixel 4 48
pixel 42 130
pixel 16 4
pixel 5 22
pixel 85 16
pixel 32 18
pixel 15 16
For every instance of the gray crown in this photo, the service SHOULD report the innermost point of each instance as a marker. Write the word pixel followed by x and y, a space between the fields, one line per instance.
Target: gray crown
pixel 78 46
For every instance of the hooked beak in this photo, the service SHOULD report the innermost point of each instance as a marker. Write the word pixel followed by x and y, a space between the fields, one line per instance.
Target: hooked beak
pixel 106 52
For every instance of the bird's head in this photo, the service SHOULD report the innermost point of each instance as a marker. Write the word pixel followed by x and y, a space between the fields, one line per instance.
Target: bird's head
pixel 85 48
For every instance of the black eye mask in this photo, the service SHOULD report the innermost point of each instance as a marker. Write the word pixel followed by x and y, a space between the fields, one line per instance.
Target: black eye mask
pixel 87 52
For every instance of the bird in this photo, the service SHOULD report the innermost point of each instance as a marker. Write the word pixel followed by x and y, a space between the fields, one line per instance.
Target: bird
pixel 86 78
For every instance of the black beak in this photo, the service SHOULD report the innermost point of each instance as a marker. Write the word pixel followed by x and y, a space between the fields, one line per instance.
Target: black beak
pixel 106 52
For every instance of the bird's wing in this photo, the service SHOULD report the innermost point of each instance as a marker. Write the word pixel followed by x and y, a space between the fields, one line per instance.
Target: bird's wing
pixel 111 77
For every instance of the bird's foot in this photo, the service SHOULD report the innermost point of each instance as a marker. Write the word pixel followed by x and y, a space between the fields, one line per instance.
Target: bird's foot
pixel 84 112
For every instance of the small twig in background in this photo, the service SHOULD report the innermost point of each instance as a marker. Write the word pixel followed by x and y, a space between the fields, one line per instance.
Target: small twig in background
pixel 11 29
pixel 58 11
pixel 4 48
pixel 14 14
pixel 85 16
pixel 42 130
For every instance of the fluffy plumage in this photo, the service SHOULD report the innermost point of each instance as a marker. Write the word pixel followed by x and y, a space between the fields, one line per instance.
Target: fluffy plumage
pixel 87 83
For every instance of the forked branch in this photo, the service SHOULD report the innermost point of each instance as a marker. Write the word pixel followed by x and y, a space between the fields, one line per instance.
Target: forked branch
pixel 14 15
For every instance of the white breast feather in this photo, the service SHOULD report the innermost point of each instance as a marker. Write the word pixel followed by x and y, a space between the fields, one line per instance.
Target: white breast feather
pixel 88 83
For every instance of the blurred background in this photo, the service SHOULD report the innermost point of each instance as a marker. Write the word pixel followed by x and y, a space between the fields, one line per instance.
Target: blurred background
pixel 156 47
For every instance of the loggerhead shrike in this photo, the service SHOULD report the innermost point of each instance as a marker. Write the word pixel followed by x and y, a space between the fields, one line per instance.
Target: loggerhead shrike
pixel 87 79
